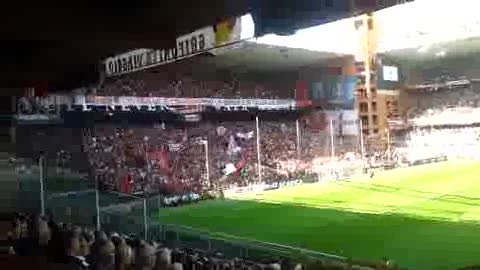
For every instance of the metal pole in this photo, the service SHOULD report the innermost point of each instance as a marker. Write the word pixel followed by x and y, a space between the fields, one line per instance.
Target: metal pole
pixel 332 141
pixel 42 191
pixel 146 159
pixel 97 203
pixel 207 161
pixel 159 205
pixel 145 224
pixel 362 143
pixel 258 151
pixel 145 184
pixel 388 143
pixel 299 150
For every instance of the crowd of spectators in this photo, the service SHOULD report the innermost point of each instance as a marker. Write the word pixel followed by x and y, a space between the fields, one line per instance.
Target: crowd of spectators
pixel 444 120
pixel 445 106
pixel 182 85
pixel 459 142
pixel 173 160
pixel 60 147
pixel 39 242
pixel 51 245
pixel 135 159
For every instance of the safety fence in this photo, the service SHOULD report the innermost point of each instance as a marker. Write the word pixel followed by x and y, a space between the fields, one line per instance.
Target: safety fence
pixel 71 198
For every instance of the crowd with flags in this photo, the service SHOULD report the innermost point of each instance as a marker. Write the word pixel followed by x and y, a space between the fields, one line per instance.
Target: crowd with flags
pixel 214 153
pixel 205 157
pixel 174 160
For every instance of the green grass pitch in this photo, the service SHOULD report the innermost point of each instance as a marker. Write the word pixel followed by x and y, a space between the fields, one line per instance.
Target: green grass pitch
pixel 425 217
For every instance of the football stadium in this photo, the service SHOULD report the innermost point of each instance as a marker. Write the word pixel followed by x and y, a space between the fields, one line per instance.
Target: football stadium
pixel 278 152
pixel 418 216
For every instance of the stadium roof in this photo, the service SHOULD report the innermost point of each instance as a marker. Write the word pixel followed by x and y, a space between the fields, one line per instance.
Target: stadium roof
pixel 63 44
pixel 413 25
pixel 252 60
pixel 255 57
pixel 453 49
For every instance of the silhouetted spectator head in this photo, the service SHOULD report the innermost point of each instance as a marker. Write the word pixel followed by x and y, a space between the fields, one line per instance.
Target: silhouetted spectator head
pixel 164 259
pixel 44 233
pixel 85 243
pixel 100 235
pixel 145 256
pixel 104 258
pixel 116 239
pixel 16 231
pixel 72 244
pixel 123 256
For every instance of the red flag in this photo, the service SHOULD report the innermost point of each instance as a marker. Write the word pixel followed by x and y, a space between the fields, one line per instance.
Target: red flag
pixel 164 164
pixel 161 156
pixel 301 93
pixel 240 164
pixel 127 184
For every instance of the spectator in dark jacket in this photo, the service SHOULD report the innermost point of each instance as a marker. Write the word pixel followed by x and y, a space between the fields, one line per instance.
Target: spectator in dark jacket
pixel 73 252
pixel 104 257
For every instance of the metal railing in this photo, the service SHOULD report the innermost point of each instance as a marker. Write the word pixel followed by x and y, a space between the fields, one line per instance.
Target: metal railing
pixel 83 204
pixel 234 246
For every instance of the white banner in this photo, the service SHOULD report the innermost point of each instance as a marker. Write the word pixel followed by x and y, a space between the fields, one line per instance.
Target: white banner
pixel 264 104
pixel 186 46
pixel 345 122
pixel 201 40
pixel 58 103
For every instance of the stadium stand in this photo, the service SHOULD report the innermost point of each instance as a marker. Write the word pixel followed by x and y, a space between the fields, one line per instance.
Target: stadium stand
pixel 453 103
pixel 444 122
pixel 173 159
pixel 179 84
pixel 170 160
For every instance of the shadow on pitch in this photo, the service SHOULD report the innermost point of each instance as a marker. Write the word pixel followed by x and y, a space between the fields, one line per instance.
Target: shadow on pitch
pixel 416 242
pixel 421 194
pixel 423 213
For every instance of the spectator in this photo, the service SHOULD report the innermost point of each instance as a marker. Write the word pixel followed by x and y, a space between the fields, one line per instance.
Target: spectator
pixel 85 243
pixel 104 258
pixel 76 243
pixel 164 259
pixel 33 241
pixel 123 256
pixel 176 266
pixel 100 239
pixel 74 257
pixel 145 256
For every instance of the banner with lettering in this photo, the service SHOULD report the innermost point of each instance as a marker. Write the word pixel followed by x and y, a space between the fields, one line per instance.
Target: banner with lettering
pixel 337 91
pixel 52 107
pixel 185 105
pixel 345 122
pixel 202 40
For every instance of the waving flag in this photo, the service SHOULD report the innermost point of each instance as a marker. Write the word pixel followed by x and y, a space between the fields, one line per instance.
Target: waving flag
pixel 161 155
